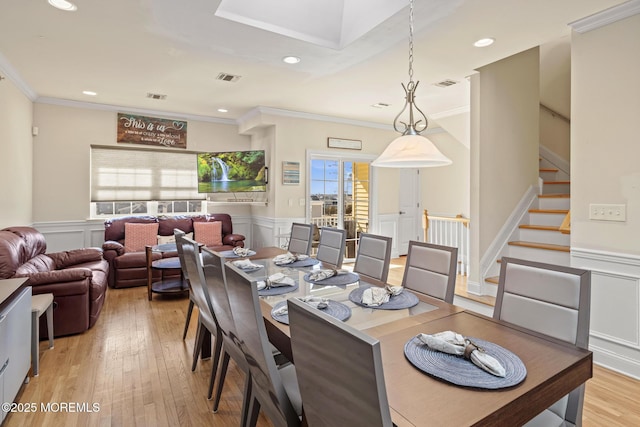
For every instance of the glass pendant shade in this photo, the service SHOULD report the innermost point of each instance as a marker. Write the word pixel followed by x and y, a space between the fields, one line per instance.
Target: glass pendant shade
pixel 411 151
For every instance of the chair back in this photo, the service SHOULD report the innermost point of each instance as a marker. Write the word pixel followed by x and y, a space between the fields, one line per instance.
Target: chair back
pixel 552 300
pixel 373 257
pixel 189 253
pixel 431 269
pixel 215 282
pixel 185 274
pixel 267 385
pixel 301 238
pixel 339 370
pixel 331 246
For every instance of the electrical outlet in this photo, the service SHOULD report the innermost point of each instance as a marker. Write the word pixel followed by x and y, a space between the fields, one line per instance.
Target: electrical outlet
pixel 607 212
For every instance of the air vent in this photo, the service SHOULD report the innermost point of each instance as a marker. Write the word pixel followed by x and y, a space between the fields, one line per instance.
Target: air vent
pixel 227 77
pixel 156 96
pixel 445 83
pixel 380 105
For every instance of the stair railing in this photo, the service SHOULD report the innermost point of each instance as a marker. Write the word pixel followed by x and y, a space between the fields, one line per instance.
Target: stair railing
pixel 449 231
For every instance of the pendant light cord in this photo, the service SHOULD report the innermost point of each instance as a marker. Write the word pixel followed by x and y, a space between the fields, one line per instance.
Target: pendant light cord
pixel 410 41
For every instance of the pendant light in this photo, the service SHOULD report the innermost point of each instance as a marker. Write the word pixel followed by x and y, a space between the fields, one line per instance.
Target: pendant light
pixel 411 150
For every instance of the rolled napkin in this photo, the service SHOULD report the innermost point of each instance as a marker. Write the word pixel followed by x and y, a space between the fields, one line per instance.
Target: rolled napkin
pixel 276 280
pixel 375 296
pixel 289 258
pixel 241 251
pixel 453 343
pixel 315 302
pixel 246 264
pixel 318 275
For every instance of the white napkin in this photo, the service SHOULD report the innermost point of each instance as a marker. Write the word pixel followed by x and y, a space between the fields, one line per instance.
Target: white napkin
pixel 275 280
pixel 375 296
pixel 241 251
pixel 453 343
pixel 289 258
pixel 317 275
pixel 246 264
pixel 315 302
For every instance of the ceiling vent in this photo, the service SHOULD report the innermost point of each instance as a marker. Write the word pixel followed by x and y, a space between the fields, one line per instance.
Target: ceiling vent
pixel 445 83
pixel 228 77
pixel 156 96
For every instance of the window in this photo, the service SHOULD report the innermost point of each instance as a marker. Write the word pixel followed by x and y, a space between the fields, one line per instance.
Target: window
pixel 138 181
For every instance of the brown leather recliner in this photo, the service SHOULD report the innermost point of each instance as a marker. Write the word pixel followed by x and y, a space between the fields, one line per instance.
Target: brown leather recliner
pixel 77 278
pixel 128 269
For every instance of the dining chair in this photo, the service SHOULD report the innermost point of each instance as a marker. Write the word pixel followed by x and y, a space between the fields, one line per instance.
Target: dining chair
pixel 337 389
pixel 207 322
pixel 431 270
pixel 373 257
pixel 551 300
pixel 185 277
pixel 274 389
pixel 331 246
pixel 300 239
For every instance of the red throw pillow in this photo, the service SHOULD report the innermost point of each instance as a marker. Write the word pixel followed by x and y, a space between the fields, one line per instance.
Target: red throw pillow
pixel 139 235
pixel 208 233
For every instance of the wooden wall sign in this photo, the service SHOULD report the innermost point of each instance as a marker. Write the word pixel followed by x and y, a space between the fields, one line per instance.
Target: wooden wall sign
pixel 134 129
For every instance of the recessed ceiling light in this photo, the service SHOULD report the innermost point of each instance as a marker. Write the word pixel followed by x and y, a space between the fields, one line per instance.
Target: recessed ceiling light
pixel 89 92
pixel 223 110
pixel 484 42
pixel 63 5
pixel 291 59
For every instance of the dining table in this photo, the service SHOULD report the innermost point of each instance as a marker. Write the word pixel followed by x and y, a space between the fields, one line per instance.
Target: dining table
pixel 553 368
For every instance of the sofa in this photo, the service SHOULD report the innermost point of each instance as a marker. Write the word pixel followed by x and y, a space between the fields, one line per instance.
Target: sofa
pixel 127 257
pixel 76 278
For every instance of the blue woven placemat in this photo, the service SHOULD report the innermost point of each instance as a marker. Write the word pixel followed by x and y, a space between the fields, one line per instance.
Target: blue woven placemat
pixel 340 279
pixel 279 290
pixel 460 371
pixel 231 254
pixel 301 263
pixel 404 300
pixel 335 309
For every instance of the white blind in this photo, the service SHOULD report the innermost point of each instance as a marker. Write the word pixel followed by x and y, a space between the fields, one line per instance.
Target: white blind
pixel 126 174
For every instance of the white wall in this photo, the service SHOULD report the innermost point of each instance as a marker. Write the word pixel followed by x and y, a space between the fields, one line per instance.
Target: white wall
pixel 16 152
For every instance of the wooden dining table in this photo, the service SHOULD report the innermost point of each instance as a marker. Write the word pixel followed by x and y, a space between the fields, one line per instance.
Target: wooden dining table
pixel 554 368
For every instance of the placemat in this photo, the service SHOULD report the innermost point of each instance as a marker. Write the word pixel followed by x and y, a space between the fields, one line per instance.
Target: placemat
pixel 460 371
pixel 231 254
pixel 404 300
pixel 340 279
pixel 300 263
pixel 279 290
pixel 335 309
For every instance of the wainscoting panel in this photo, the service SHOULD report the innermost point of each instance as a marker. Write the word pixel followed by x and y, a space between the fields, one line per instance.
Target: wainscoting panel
pixel 615 308
pixel 67 235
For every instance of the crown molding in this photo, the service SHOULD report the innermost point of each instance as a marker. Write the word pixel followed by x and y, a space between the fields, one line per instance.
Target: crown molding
pixel 116 108
pixel 12 74
pixel 451 112
pixel 310 116
pixel 606 17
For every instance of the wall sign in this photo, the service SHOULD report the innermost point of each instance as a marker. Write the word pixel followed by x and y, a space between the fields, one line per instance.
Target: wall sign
pixel 134 129
pixel 352 144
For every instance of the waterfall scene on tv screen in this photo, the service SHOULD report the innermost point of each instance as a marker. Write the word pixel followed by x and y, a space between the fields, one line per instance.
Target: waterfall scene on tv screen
pixel 231 172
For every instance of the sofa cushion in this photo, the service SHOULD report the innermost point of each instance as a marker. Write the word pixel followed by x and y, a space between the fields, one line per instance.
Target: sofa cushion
pixel 137 236
pixel 171 239
pixel 168 223
pixel 208 233
pixel 36 264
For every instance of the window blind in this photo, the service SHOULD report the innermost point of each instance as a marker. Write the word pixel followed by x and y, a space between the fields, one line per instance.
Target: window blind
pixel 119 174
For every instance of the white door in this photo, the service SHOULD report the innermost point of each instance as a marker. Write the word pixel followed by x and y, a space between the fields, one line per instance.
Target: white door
pixel 409 219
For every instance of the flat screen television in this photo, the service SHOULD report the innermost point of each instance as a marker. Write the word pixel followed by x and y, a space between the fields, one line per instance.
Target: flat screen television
pixel 232 172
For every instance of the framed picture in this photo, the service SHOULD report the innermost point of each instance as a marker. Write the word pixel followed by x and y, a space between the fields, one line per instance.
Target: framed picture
pixel 290 173
pixel 351 144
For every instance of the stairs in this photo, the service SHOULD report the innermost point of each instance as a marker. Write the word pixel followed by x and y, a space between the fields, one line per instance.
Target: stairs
pixel 539 237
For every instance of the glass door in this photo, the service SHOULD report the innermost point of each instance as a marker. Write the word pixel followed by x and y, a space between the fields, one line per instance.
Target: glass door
pixel 339 197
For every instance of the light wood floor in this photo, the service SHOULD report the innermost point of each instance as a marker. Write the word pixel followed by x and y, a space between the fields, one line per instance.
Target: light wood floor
pixel 135 366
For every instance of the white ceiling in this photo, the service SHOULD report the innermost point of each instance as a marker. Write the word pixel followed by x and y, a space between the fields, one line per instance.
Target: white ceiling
pixel 124 49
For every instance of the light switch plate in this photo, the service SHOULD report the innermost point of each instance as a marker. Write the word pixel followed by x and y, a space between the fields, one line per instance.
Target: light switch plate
pixel 602 212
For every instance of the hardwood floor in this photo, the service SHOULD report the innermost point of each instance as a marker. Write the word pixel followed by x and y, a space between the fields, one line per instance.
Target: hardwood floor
pixel 135 367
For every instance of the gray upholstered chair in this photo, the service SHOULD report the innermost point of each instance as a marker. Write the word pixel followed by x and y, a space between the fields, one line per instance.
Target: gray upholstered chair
pixel 373 257
pixel 551 300
pixel 185 276
pixel 336 388
pixel 207 323
pixel 331 246
pixel 431 270
pixel 274 389
pixel 301 238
